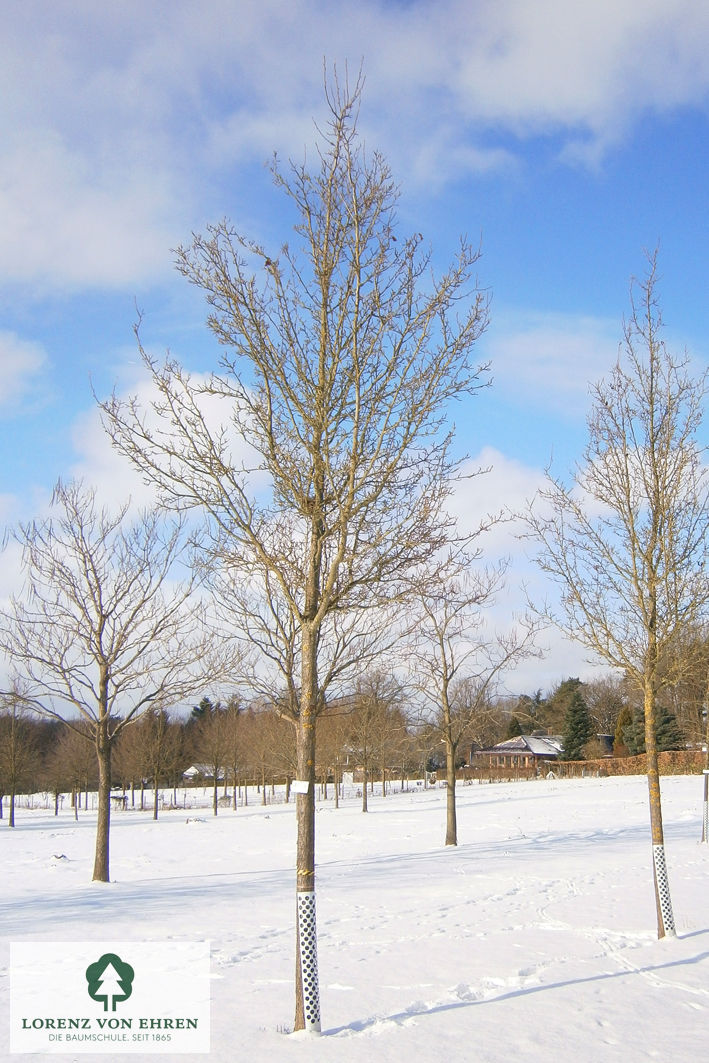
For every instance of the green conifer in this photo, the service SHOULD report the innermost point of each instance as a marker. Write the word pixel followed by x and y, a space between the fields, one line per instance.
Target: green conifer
pixel 578 728
pixel 667 731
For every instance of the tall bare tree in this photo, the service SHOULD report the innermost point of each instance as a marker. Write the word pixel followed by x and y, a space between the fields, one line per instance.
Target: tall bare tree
pixel 459 662
pixel 102 631
pixel 342 354
pixel 627 541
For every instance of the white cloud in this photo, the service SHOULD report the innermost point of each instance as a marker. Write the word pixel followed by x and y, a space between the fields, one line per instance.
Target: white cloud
pixel 11 572
pixel 119 122
pixel 502 485
pixel 112 474
pixel 509 485
pixel 552 64
pixel 504 488
pixel 549 360
pixel 561 658
pixel 114 478
pixel 21 365
pixel 69 222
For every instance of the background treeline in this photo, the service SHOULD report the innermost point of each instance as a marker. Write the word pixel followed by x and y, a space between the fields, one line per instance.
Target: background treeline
pixel 376 733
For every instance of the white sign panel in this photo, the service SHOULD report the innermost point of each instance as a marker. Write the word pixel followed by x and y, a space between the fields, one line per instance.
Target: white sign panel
pixel 109 997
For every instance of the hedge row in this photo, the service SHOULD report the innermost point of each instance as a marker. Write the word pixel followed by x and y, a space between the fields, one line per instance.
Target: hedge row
pixel 681 762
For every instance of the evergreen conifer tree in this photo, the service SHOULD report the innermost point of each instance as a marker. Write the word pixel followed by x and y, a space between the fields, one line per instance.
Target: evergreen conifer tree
pixel 514 728
pixel 624 721
pixel 668 735
pixel 556 706
pixel 578 728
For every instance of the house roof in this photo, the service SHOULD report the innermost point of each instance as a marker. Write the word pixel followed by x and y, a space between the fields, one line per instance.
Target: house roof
pixel 550 746
pixel 201 769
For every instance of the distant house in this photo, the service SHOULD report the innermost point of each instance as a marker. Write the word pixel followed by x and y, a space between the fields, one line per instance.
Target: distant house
pixel 523 751
pixel 201 772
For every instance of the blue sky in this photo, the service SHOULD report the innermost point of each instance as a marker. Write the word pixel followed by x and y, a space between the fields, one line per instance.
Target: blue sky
pixel 568 140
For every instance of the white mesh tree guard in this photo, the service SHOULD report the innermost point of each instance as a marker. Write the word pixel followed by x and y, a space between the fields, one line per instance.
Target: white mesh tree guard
pixel 307 937
pixel 663 890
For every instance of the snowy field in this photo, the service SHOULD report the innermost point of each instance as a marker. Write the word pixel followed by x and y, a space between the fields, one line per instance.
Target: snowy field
pixel 534 939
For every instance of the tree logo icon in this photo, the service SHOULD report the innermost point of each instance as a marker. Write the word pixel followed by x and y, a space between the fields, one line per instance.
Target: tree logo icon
pixel 110 980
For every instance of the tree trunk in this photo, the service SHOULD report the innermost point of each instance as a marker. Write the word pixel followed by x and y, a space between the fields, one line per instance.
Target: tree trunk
pixel 451 820
pixel 365 774
pixel 155 801
pixel 103 824
pixel 663 902
pixel 11 817
pixel 307 996
pixel 215 792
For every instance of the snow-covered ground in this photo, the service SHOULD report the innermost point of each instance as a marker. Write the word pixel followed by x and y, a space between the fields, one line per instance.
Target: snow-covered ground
pixel 534 939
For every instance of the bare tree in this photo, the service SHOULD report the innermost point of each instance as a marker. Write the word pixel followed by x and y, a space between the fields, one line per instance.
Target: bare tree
pixel 333 740
pixel 159 738
pixel 265 733
pixel 627 542
pixel 688 696
pixel 102 631
pixel 278 734
pixel 235 751
pixel 129 763
pixel 214 745
pixel 375 724
pixel 72 763
pixel 459 662
pixel 605 698
pixel 18 751
pixel 56 775
pixel 342 355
